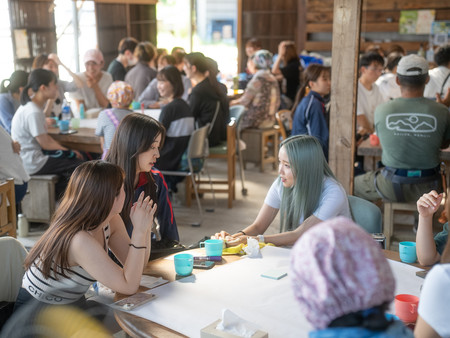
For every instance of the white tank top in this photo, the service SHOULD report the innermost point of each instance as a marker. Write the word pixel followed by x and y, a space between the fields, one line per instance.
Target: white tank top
pixel 58 289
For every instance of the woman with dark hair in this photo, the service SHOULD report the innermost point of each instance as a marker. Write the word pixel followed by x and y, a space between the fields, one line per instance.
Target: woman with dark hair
pixel 286 69
pixel 310 116
pixel 176 117
pixel 343 283
pixel 142 74
pixel 135 148
pixel 262 95
pixel 40 153
pixel 10 96
pixel 73 253
pixel 306 193
pixel 205 94
pixel 150 96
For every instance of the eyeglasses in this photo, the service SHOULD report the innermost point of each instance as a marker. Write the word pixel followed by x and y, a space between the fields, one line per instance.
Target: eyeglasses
pixel 376 69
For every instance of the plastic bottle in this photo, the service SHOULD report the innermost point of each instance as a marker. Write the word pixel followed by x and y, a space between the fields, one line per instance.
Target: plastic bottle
pixel 66 113
pixel 23 225
pixel 81 111
pixel 430 51
pixel 421 51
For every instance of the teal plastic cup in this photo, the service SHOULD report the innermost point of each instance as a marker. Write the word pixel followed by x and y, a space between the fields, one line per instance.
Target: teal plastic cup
pixel 135 105
pixel 213 247
pixel 63 125
pixel 407 251
pixel 184 263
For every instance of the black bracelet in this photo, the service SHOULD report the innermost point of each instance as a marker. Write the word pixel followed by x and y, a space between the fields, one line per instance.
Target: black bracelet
pixel 240 231
pixel 137 247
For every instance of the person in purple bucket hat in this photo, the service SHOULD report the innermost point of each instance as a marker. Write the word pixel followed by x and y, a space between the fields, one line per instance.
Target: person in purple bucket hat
pixel 343 282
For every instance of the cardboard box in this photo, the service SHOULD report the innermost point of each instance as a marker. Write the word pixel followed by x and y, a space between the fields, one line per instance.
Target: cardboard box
pixel 211 332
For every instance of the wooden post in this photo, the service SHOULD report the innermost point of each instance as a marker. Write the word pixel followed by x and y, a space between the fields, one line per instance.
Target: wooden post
pixel 344 77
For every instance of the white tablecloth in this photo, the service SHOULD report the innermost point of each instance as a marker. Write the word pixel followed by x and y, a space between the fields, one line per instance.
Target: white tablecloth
pixel 194 302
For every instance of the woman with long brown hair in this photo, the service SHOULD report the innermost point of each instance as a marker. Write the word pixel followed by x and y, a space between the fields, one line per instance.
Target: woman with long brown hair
pixel 135 148
pixel 73 253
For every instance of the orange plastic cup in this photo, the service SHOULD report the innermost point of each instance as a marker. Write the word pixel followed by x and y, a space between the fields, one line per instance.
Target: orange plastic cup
pixel 406 307
pixel 374 140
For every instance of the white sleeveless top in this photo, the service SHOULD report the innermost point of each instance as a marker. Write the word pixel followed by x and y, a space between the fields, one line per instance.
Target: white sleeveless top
pixel 58 289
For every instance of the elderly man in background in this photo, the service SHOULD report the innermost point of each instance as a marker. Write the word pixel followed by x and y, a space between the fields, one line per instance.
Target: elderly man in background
pixel 95 82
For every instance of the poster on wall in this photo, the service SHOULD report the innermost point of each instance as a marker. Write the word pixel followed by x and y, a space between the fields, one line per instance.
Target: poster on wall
pixel 441 32
pixel 416 22
pixel 21 40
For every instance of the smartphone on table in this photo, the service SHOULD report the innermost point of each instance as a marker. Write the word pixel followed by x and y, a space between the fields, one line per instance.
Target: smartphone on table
pixel 203 264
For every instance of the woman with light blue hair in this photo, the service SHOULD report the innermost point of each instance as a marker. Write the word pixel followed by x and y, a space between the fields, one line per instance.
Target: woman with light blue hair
pixel 306 193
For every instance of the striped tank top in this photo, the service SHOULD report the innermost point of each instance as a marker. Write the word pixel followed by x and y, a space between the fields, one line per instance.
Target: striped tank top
pixel 58 289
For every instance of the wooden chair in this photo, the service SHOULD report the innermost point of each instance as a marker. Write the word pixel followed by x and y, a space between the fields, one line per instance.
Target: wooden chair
pixel 196 150
pixel 226 150
pixel 8 209
pixel 389 210
pixel 284 118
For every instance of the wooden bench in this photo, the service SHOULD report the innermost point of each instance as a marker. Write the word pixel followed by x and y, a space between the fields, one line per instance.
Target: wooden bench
pixel 39 203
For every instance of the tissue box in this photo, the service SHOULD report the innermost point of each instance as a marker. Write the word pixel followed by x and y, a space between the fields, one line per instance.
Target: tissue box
pixel 211 332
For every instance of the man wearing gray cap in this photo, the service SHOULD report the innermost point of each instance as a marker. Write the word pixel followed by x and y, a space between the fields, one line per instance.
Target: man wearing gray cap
pixel 412 130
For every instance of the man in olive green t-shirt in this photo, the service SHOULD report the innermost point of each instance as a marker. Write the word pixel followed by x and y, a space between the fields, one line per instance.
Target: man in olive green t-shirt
pixel 412 130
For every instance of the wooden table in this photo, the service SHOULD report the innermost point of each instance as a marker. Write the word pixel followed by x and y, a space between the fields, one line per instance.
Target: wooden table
pixel 372 154
pixel 139 327
pixel 84 140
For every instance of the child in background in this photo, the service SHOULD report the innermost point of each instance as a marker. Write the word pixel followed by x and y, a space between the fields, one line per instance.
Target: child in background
pixel 120 95
pixel 310 116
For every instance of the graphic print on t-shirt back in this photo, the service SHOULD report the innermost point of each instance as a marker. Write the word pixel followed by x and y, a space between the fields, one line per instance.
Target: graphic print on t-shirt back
pixel 411 122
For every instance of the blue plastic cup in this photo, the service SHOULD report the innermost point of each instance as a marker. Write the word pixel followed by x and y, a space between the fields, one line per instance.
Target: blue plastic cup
pixel 135 105
pixel 63 125
pixel 213 247
pixel 407 251
pixel 184 263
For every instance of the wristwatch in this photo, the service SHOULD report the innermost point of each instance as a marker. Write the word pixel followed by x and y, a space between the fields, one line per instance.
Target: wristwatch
pixel 260 238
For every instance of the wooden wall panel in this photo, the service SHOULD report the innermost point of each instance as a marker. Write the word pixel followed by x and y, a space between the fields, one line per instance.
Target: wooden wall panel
pixel 379 16
pixel 37 18
pixel 116 21
pixel 269 21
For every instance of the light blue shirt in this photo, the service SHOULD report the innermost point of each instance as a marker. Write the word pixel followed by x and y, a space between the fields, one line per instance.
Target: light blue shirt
pixel 8 106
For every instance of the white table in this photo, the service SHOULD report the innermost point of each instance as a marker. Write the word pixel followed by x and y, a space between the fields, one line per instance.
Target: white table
pixel 192 303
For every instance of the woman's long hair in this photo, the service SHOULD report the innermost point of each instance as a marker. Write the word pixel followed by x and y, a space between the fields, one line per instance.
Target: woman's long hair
pixel 311 73
pixel 18 79
pixel 86 203
pixel 135 135
pixel 38 77
pixel 309 168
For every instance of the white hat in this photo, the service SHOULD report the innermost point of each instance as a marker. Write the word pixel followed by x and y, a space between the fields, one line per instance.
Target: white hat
pixel 412 65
